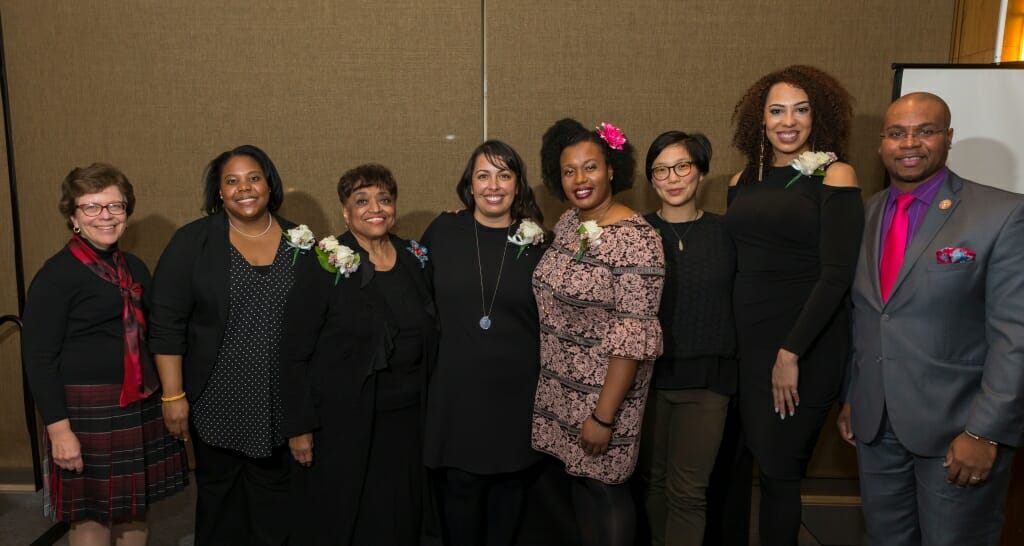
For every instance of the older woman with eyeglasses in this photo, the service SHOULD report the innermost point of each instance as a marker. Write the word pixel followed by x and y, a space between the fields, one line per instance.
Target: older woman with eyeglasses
pixel 696 375
pixel 108 456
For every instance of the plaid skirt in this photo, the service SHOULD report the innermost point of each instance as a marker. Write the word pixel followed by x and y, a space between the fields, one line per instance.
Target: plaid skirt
pixel 129 459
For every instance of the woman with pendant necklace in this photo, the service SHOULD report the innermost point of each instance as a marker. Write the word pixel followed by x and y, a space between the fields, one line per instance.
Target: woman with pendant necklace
pixel 219 292
pixel 598 288
pixel 696 375
pixel 481 394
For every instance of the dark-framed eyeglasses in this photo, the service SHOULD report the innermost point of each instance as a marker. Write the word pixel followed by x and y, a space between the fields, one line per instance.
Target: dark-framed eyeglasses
pixel 116 208
pixel 899 134
pixel 681 169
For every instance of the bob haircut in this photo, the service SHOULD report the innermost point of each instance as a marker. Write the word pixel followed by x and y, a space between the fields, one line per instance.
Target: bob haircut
pixel 212 202
pixel 569 132
pixel 831 114
pixel 93 179
pixel 502 156
pixel 366 175
pixel 696 144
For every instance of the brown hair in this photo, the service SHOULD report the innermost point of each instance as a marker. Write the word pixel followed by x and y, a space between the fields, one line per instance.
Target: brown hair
pixel 93 179
pixel 831 111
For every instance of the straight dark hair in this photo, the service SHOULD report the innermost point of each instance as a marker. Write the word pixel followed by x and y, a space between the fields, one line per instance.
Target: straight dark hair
pixel 212 203
pixel 502 156
pixel 696 144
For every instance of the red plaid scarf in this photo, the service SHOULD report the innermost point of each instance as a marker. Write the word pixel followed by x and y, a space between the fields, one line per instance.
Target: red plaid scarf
pixel 140 379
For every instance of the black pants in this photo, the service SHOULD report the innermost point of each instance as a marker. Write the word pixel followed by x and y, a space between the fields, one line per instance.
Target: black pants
pixel 482 509
pixel 240 500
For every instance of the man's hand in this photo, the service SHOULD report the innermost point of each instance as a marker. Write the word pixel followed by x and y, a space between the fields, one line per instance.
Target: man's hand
pixel 969 461
pixel 845 428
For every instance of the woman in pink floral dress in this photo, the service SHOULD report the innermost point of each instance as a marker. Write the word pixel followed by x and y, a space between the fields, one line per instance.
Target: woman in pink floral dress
pixel 598 288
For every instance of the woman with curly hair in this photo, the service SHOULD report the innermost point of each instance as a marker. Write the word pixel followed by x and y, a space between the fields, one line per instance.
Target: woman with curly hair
pixel 795 215
pixel 598 288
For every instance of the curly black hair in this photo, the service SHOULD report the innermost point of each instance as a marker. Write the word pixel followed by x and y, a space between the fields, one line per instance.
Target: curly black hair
pixel 568 132
pixel 831 108
pixel 503 156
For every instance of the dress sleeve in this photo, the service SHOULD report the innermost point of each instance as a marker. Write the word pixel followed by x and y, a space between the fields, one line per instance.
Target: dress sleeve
pixel 304 316
pixel 45 321
pixel 637 264
pixel 842 225
pixel 172 298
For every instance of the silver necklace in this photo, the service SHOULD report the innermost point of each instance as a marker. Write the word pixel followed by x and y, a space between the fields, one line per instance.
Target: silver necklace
pixel 270 222
pixel 676 233
pixel 485 318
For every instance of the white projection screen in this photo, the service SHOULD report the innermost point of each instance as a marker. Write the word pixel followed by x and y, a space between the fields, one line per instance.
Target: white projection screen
pixel 987 102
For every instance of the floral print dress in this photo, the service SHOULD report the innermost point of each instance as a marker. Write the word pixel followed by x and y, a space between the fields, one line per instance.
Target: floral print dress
pixel 603 306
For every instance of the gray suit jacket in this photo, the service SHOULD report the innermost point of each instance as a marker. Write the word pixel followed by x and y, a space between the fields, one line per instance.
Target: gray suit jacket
pixel 946 352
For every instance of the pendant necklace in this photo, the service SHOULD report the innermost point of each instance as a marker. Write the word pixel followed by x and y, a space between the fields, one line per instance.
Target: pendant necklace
pixel 270 223
pixel 485 318
pixel 676 233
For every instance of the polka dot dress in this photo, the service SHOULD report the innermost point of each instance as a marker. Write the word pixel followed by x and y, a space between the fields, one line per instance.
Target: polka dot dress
pixel 241 406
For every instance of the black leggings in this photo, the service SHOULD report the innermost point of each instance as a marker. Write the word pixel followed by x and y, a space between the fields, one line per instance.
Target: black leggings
pixel 779 522
pixel 605 513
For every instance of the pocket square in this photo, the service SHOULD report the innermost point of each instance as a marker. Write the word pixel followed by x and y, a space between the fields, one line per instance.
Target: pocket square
pixel 955 255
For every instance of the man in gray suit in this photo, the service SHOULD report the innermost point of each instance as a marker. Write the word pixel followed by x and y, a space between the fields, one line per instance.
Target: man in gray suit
pixel 935 395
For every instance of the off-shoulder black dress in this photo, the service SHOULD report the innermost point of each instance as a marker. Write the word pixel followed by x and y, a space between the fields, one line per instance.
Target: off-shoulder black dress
pixel 796 251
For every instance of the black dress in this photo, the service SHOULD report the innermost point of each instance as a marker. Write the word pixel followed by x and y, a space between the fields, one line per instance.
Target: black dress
pixel 481 395
pixel 355 361
pixel 796 253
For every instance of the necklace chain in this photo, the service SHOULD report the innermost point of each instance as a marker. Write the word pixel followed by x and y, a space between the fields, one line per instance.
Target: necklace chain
pixel 270 223
pixel 679 239
pixel 485 318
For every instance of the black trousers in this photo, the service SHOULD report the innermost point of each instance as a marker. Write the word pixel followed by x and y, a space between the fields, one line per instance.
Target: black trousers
pixel 241 500
pixel 482 509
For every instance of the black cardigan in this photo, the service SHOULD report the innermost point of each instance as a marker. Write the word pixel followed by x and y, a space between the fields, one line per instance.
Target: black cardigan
pixel 189 303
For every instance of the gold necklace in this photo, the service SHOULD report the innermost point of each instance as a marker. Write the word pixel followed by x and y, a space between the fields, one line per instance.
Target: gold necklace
pixel 676 233
pixel 270 222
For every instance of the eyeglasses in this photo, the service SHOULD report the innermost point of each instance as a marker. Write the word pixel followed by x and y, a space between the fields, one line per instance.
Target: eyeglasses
pixel 898 134
pixel 681 169
pixel 116 208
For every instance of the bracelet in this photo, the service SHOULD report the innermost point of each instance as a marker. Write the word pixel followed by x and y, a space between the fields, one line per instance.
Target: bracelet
pixel 174 398
pixel 605 424
pixel 980 439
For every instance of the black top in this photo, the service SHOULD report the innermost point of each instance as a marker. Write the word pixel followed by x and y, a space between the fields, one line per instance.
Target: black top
pixel 341 337
pixel 189 304
pixel 696 306
pixel 481 396
pixel 240 408
pixel 74 334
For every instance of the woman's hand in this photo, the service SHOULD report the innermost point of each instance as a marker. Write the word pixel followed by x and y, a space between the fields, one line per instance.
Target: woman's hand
pixel 176 418
pixel 64 446
pixel 785 378
pixel 302 448
pixel 594 438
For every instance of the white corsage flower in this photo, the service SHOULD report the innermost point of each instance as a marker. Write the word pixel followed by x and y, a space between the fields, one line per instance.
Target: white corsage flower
pixel 336 258
pixel 529 233
pixel 811 163
pixel 300 238
pixel 590 237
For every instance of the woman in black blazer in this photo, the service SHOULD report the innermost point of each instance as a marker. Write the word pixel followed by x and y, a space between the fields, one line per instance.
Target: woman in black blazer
pixel 359 343
pixel 218 298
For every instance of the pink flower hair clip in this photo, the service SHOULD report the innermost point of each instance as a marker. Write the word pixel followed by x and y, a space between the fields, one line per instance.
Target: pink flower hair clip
pixel 612 135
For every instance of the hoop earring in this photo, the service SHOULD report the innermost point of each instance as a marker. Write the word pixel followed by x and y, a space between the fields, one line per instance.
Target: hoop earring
pixel 760 158
pixel 76 229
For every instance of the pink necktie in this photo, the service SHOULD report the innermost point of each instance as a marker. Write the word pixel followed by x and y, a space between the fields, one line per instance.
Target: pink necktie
pixel 895 245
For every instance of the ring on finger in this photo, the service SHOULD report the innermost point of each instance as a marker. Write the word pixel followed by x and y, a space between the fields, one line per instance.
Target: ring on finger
pixel 975 478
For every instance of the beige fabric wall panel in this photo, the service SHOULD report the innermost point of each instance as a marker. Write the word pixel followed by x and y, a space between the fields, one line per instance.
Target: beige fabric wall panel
pixel 654 65
pixel 159 88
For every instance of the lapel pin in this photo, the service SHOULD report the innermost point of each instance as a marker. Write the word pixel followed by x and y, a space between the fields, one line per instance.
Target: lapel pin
pixel 945 204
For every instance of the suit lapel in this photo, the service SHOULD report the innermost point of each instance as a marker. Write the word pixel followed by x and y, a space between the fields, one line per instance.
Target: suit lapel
pixel 873 232
pixel 219 254
pixel 933 221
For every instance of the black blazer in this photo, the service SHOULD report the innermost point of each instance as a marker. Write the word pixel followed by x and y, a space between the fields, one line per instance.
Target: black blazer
pixel 189 305
pixel 336 338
